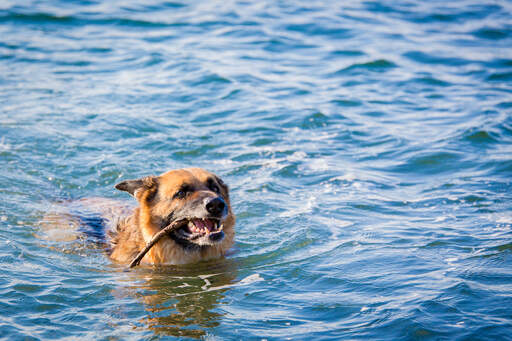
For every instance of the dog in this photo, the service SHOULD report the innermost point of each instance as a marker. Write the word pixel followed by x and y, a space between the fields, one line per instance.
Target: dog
pixel 194 197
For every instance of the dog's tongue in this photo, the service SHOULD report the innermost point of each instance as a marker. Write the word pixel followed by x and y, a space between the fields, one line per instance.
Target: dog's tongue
pixel 204 224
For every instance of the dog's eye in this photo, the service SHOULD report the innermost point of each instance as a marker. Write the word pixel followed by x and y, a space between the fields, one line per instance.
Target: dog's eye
pixel 182 192
pixel 213 186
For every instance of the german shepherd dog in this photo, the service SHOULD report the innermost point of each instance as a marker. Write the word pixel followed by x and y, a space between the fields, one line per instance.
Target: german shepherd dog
pixel 196 198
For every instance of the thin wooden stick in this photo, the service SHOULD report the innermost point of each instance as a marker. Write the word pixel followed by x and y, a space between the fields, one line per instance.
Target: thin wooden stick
pixel 156 237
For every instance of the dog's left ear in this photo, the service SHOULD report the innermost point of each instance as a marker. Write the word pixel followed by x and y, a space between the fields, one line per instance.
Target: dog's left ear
pixel 133 186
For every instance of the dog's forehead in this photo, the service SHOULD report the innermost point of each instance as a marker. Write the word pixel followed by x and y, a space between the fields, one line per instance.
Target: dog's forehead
pixel 174 179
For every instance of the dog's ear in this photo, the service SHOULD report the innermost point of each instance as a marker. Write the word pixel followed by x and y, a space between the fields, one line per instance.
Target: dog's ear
pixel 133 186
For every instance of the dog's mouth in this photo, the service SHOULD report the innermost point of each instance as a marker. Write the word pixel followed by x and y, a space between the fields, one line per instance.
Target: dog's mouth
pixel 199 231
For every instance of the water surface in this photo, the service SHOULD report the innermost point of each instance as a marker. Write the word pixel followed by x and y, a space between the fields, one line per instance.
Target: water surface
pixel 368 147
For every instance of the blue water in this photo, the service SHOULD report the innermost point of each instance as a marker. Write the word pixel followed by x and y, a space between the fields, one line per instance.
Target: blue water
pixel 367 145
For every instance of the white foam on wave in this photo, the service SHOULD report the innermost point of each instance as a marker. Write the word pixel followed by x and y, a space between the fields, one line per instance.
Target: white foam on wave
pixel 307 207
pixel 251 279
pixel 506 219
pixel 5 146
pixel 245 281
pixel 297 156
pixel 349 176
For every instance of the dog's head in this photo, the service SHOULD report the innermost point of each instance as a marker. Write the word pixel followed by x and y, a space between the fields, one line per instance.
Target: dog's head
pixel 196 198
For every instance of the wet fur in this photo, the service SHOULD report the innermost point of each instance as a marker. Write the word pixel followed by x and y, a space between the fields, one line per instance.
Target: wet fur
pixel 156 196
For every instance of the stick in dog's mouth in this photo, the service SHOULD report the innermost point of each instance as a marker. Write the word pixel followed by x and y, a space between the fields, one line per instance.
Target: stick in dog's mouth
pixel 156 237
pixel 184 228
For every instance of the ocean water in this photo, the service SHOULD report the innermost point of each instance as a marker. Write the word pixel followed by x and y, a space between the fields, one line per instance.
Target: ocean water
pixel 367 145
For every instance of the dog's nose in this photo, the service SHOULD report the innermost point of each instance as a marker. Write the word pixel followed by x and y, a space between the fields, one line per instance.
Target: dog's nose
pixel 216 206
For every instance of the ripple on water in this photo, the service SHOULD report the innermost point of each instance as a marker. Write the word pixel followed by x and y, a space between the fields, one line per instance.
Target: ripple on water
pixel 500 77
pixel 491 33
pixel 477 136
pixel 429 163
pixel 379 65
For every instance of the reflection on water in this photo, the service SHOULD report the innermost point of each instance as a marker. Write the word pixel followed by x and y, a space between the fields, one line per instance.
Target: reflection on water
pixel 182 301
pixel 178 301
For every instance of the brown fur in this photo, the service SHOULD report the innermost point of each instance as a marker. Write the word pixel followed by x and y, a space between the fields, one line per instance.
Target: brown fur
pixel 156 196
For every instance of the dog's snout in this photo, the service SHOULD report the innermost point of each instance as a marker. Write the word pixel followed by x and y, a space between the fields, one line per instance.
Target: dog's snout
pixel 216 206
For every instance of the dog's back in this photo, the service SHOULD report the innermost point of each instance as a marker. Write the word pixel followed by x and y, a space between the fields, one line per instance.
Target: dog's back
pixel 90 217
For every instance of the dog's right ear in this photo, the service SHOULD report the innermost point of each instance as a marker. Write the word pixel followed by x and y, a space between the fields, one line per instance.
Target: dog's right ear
pixel 133 186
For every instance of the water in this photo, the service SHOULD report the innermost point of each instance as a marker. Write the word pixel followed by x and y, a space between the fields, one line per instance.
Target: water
pixel 368 147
